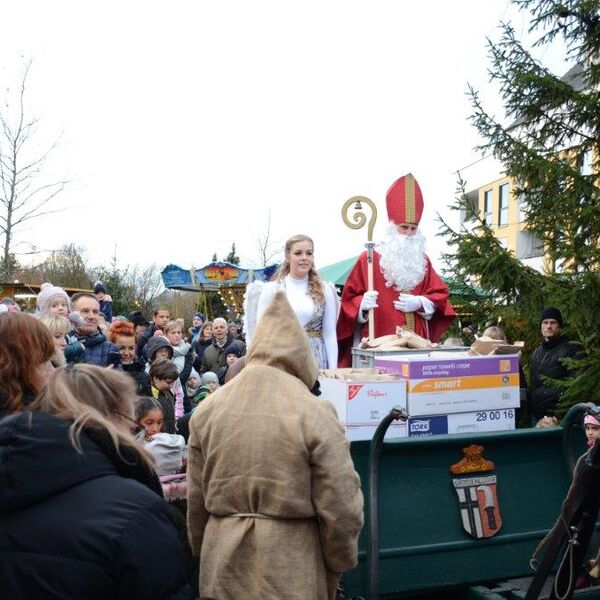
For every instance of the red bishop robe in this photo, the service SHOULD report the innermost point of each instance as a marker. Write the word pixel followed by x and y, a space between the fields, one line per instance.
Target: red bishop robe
pixel 386 316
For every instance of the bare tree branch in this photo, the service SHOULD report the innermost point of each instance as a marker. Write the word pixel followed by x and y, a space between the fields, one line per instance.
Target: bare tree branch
pixel 23 199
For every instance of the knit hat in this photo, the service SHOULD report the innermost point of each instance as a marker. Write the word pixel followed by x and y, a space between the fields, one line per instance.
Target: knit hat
pixel 99 288
pixel 155 343
pixel 49 292
pixel 209 376
pixel 404 201
pixel 200 316
pixel 194 373
pixel 552 313
pixel 591 420
pixel 233 349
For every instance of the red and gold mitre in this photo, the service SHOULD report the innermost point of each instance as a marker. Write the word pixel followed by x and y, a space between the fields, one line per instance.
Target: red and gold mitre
pixel 404 201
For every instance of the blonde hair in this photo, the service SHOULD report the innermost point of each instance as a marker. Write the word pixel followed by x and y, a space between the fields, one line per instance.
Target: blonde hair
pixel 172 325
pixel 91 396
pixel 315 284
pixel 55 323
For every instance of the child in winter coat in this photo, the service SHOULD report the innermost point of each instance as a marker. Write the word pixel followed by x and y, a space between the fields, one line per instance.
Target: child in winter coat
pixel 592 429
pixel 211 381
pixel 232 353
pixel 54 301
pixel 158 347
pixel 162 375
pixel 104 300
pixel 167 449
pixel 208 383
pixel 183 355
pixel 192 384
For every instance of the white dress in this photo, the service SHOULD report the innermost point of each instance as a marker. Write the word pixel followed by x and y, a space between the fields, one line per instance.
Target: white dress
pixel 318 320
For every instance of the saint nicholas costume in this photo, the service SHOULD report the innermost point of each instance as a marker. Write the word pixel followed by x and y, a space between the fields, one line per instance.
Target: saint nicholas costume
pixel 404 205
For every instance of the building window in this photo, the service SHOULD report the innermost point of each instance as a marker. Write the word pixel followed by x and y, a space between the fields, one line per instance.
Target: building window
pixel 586 162
pixel 503 205
pixel 487 207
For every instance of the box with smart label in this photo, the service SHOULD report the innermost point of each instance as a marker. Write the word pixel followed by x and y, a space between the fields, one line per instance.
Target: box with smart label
pixel 461 384
pixel 361 405
pixel 475 422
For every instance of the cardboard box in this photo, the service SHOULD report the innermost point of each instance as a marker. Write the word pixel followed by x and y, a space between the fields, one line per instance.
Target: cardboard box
pixel 448 366
pixel 462 394
pixel 484 346
pixel 362 405
pixel 474 422
pixel 459 384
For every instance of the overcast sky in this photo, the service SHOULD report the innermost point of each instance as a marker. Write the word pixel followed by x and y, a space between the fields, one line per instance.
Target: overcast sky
pixel 182 124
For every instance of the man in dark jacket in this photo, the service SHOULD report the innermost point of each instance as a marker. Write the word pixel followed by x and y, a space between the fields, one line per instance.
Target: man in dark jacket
pixel 96 347
pixel 214 355
pixel 547 360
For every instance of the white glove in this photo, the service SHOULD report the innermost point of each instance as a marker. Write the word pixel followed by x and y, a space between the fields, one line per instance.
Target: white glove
pixel 369 301
pixel 408 303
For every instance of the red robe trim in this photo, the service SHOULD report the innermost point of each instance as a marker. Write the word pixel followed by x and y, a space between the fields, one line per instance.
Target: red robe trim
pixel 386 316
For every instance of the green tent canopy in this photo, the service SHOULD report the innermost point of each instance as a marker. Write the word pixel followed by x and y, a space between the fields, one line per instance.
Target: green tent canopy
pixel 338 272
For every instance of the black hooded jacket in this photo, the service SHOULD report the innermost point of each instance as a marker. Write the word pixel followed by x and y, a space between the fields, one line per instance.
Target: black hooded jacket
pixel 79 525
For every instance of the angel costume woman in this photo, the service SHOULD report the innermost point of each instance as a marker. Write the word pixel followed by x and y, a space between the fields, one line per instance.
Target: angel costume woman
pixel 314 302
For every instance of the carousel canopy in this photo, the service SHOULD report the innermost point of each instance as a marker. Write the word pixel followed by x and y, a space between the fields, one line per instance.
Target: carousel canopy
pixel 225 278
pixel 213 276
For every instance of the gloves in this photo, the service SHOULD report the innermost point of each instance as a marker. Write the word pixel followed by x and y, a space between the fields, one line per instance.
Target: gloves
pixel 408 303
pixel 369 301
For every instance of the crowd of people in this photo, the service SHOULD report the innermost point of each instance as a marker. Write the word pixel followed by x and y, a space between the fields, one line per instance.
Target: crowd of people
pixel 140 458
pixel 152 490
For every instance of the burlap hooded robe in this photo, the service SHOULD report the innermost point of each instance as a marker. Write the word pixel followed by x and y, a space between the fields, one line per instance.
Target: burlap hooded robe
pixel 264 446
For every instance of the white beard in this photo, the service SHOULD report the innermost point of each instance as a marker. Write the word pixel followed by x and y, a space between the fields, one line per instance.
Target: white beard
pixel 402 259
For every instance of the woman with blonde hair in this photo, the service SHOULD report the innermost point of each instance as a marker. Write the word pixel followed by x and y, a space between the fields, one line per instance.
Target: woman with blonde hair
pixel 58 327
pixel 314 302
pixel 81 513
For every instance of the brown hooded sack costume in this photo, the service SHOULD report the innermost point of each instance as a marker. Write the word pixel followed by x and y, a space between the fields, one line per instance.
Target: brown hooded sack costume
pixel 274 503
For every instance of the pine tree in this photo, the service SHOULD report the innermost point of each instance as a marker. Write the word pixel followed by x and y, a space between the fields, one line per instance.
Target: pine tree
pixel 550 130
pixel 232 257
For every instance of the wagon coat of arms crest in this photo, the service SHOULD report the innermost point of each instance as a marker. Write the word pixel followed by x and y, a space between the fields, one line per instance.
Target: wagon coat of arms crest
pixel 476 488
